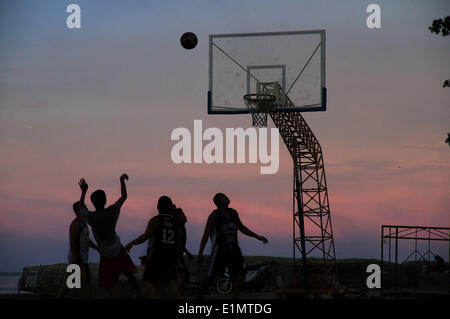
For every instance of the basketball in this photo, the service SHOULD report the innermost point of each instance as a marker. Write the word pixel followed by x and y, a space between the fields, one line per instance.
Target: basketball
pixel 188 40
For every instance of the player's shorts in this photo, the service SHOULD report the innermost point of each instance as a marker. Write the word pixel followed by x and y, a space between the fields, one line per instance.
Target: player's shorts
pixel 110 268
pixel 160 270
pixel 226 257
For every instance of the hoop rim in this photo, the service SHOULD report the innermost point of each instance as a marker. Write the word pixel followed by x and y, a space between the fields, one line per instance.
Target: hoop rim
pixel 260 97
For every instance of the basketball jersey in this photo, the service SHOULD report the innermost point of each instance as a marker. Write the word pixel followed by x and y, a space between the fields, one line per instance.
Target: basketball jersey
pixel 163 242
pixel 225 233
pixel 181 217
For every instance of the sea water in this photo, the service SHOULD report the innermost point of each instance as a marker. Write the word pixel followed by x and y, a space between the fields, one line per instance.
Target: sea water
pixel 9 282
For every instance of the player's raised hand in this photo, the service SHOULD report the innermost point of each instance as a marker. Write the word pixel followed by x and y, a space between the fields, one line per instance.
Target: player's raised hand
pixel 83 185
pixel 123 177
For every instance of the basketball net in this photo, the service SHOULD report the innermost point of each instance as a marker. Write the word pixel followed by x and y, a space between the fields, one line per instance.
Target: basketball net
pixel 259 104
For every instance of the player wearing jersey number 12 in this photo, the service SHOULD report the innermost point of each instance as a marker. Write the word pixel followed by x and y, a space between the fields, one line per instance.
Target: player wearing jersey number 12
pixel 164 248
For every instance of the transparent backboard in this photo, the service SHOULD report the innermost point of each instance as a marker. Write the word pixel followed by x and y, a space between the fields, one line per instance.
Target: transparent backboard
pixel 289 65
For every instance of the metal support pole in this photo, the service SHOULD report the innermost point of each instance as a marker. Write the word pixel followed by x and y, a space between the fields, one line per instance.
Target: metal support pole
pixel 396 261
pixel 389 264
pixel 382 267
pixel 415 252
pixel 302 229
pixel 294 212
pixel 429 246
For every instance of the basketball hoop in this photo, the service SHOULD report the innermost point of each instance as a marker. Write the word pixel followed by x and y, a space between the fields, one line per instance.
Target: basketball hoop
pixel 259 104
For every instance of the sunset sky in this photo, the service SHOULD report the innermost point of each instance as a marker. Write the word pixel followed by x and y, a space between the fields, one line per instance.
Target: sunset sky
pixel 103 100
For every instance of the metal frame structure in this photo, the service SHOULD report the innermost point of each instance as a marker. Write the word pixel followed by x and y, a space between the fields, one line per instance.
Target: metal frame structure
pixel 394 233
pixel 313 241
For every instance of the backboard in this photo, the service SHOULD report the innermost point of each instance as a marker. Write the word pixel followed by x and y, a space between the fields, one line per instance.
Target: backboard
pixel 289 65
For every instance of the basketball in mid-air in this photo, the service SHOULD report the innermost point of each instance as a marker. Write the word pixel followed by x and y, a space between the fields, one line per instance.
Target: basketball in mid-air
pixel 188 40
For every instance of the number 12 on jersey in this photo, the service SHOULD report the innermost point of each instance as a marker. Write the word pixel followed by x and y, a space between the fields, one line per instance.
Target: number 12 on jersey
pixel 168 236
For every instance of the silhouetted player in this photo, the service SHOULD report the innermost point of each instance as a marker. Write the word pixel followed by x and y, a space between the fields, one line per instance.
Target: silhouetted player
pixel 222 226
pixel 181 222
pixel 165 246
pixel 79 252
pixel 114 259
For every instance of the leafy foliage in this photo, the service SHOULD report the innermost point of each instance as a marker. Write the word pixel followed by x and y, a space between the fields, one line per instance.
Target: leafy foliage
pixel 441 25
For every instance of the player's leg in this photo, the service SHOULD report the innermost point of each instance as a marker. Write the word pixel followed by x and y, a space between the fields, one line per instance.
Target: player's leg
pixel 180 280
pixel 108 275
pixel 217 267
pixel 134 282
pixel 237 270
pixel 180 275
pixel 113 292
pixel 63 289
pixel 125 265
pixel 87 282
pixel 151 278
pixel 149 290
pixel 173 274
pixel 237 284
pixel 175 289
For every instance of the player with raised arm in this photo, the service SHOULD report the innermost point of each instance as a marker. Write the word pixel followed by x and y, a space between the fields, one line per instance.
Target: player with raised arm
pixel 114 259
pixel 222 227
